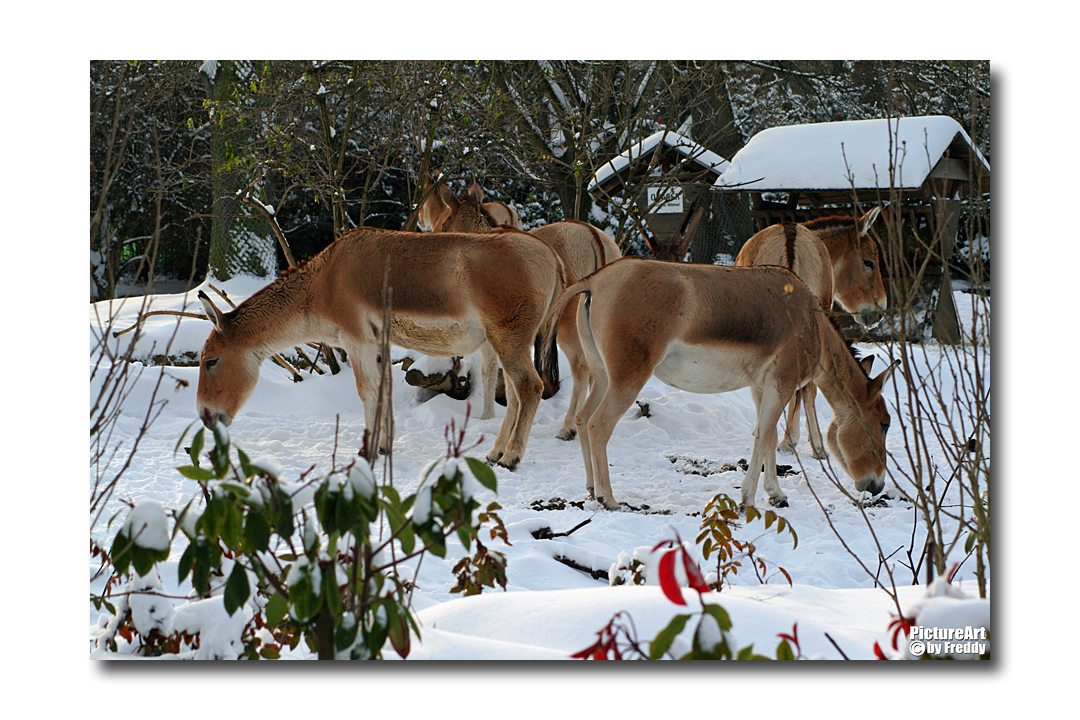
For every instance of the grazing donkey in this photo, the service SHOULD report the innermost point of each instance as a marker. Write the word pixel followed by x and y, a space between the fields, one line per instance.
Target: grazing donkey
pixel 711 329
pixel 838 260
pixel 451 294
pixel 583 248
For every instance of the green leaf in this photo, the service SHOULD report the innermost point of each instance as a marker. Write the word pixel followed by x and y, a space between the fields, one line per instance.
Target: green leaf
pixel 233 519
pixel 407 538
pixel 331 592
pixel 186 561
pixel 720 614
pixel 196 473
pixel 784 652
pixel 483 472
pixel 200 575
pixel 276 609
pixel 398 629
pixel 345 632
pixel 239 490
pixel 662 642
pixel 257 531
pixel 196 447
pixel 237 589
pixel 120 554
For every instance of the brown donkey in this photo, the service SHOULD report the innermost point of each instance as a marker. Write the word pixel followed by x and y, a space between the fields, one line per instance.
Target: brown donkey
pixel 451 294
pixel 712 329
pixel 472 213
pixel 838 260
pixel 583 248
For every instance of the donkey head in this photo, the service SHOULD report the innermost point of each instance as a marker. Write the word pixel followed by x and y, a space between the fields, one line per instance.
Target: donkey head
pixel 857 271
pixel 437 208
pixel 857 438
pixel 228 372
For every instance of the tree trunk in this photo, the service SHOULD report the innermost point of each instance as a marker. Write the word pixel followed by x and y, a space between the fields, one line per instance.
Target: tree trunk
pixel 239 244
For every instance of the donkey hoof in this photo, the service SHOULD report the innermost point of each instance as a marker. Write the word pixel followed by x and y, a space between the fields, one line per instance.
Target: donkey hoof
pixel 786 447
pixel 780 502
pixel 820 455
pixel 510 464
pixel 607 504
pixel 567 434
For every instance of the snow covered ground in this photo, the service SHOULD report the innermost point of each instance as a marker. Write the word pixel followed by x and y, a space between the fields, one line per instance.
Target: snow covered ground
pixel 665 466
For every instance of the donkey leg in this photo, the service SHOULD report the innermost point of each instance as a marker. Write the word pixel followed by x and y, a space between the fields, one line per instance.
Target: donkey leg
pixel 363 358
pixel 581 422
pixel 489 371
pixel 791 434
pixel 598 385
pixel 810 403
pixel 770 406
pixel 619 396
pixel 524 388
pixel 507 426
pixel 575 355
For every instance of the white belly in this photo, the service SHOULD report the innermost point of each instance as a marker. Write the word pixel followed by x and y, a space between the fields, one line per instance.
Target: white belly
pixel 708 369
pixel 437 337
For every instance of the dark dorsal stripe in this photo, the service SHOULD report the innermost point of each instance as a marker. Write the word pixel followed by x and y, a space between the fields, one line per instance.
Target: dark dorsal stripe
pixel 790 229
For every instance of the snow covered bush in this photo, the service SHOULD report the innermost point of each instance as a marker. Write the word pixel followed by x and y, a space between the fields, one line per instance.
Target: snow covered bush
pixel 945 625
pixel 711 639
pixel 274 563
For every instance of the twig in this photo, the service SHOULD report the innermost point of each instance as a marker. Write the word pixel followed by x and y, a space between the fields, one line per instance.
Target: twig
pixel 842 654
pixel 143 316
pixel 247 199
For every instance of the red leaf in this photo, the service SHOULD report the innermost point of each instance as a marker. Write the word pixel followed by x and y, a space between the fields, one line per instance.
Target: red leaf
pixel 668 583
pixel 793 637
pixel 693 575
pixel 877 652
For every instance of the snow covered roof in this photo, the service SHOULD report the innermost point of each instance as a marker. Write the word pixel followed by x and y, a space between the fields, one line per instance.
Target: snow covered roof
pixel 706 159
pixel 836 155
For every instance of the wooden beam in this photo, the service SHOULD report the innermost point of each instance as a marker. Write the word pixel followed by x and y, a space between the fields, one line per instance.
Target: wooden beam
pixel 951 169
pixel 946 324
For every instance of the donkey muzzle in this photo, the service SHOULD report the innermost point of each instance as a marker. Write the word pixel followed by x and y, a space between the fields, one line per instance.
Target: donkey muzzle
pixel 870 482
pixel 211 417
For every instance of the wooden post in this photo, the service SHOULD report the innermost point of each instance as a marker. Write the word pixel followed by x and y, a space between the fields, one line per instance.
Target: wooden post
pixel 946 324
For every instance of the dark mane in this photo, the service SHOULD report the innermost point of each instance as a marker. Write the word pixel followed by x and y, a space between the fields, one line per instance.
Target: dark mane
pixel 829 222
pixel 834 320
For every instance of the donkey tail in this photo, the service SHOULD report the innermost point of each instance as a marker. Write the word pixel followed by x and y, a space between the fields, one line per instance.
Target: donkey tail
pixel 550 327
pixel 545 351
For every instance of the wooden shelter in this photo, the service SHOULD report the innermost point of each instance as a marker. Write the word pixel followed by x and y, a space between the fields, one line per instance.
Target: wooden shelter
pixel 923 165
pixel 666 176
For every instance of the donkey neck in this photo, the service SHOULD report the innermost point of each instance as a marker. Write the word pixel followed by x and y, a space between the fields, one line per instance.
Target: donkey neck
pixel 279 315
pixel 469 217
pixel 839 376
pixel 833 233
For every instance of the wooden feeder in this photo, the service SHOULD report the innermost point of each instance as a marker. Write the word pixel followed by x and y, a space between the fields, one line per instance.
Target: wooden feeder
pixel 921 165
pixel 666 176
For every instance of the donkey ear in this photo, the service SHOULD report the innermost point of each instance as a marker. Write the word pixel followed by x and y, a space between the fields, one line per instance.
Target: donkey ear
pixel 867 220
pixel 867 363
pixel 879 382
pixel 212 313
pixel 446 195
pixel 476 191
